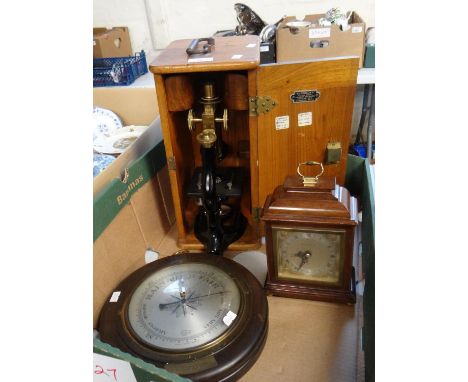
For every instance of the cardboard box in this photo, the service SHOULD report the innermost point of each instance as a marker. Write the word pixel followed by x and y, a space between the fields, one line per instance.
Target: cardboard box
pixel 131 215
pixel 307 340
pixel 133 207
pixel 132 212
pixel 135 106
pixel 306 43
pixel 114 42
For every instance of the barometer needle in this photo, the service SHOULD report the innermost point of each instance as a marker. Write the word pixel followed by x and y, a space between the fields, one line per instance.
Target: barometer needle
pixel 189 299
pixel 205 295
pixel 177 307
pixel 162 306
pixel 179 300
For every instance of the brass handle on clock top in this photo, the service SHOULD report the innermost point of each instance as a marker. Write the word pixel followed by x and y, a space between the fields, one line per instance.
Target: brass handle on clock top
pixel 309 179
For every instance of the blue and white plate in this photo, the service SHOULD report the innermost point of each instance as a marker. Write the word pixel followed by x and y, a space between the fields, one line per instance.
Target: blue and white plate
pixel 100 162
pixel 106 123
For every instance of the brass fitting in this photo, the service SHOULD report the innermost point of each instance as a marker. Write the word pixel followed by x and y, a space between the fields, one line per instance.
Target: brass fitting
pixel 207 137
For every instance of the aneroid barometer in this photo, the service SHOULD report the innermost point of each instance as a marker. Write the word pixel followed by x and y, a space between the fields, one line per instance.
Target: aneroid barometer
pixel 309 223
pixel 201 316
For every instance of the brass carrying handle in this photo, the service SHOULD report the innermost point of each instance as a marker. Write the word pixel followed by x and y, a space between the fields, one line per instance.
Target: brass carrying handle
pixel 309 179
pixel 192 48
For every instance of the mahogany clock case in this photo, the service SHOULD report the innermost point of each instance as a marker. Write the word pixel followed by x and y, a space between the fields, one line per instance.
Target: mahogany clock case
pixel 226 358
pixel 311 209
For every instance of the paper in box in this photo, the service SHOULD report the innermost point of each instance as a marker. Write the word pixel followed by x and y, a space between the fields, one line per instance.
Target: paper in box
pixel 315 41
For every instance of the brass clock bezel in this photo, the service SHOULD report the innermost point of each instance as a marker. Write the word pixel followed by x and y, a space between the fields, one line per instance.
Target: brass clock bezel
pixel 196 352
pixel 342 232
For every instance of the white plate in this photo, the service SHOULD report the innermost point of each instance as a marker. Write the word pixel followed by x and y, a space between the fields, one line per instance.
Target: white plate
pixel 298 24
pixel 118 142
pixel 106 122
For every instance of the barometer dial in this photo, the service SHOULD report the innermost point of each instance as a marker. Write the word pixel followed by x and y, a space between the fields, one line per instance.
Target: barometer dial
pixel 184 306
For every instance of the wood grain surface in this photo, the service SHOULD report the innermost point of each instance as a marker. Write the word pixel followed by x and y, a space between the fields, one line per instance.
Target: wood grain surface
pixel 225 56
pixel 280 151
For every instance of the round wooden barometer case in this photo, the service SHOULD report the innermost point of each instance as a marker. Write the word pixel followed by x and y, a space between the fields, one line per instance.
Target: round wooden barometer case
pixel 204 317
pixel 309 227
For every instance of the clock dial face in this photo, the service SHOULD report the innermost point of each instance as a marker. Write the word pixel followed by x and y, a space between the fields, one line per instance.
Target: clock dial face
pixel 309 255
pixel 184 306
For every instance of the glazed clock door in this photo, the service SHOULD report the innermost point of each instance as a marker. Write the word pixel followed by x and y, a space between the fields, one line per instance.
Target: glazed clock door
pixel 315 102
pixel 309 255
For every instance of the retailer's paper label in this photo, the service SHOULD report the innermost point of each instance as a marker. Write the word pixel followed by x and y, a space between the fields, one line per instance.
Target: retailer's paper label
pixel 282 122
pixel 94 42
pixel 229 317
pixel 111 369
pixel 319 32
pixel 236 56
pixel 265 48
pixel 251 45
pixel 356 29
pixel 115 296
pixel 203 59
pixel 304 119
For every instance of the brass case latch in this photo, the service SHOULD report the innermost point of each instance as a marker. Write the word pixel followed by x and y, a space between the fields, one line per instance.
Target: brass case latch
pixel 333 152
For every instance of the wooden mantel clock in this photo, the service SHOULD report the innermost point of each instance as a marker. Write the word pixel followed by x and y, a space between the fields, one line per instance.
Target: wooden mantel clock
pixel 309 223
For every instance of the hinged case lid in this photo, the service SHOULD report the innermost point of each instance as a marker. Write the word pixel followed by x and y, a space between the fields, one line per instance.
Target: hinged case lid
pixel 228 53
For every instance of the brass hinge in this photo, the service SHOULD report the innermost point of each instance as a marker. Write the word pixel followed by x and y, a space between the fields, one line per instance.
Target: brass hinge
pixel 258 105
pixel 256 213
pixel 171 165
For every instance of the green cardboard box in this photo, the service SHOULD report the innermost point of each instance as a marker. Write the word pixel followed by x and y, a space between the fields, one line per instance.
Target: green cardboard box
pixel 369 60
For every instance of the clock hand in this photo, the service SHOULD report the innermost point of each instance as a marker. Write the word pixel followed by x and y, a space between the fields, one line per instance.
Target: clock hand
pixel 305 256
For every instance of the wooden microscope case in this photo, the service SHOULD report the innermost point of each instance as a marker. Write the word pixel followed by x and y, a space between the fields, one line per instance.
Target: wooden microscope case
pixel 279 115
